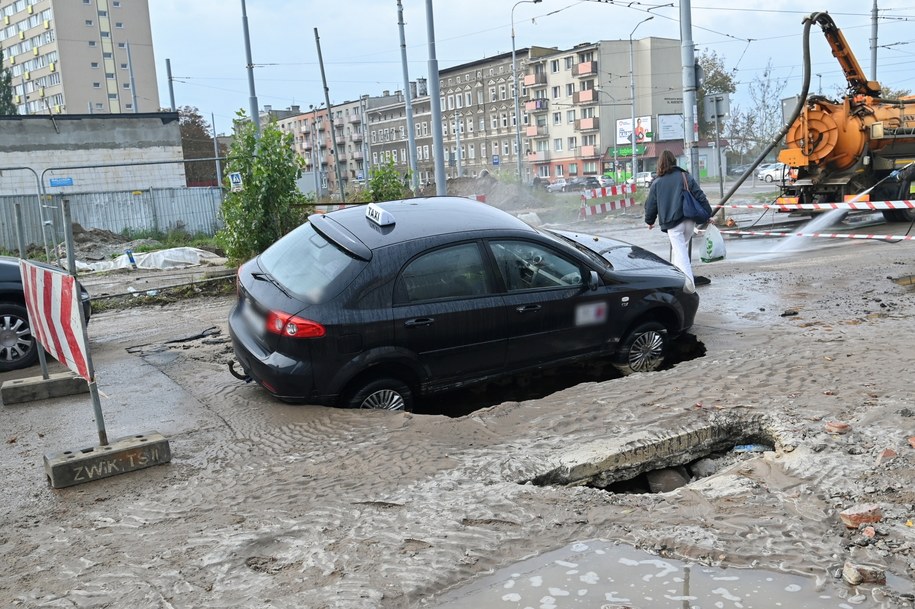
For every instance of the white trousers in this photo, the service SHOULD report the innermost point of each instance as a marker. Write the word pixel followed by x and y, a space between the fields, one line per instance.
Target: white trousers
pixel 680 236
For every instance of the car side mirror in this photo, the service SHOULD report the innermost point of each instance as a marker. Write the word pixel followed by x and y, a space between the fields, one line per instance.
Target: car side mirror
pixel 593 280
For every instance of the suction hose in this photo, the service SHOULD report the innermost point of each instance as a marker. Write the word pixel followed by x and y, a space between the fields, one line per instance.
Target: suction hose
pixel 797 112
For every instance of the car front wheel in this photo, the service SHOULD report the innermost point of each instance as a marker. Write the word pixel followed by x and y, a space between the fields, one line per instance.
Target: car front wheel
pixel 769 178
pixel 643 349
pixel 381 394
pixel 17 346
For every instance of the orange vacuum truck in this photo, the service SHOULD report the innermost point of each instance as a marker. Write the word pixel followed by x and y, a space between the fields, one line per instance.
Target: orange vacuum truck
pixel 861 147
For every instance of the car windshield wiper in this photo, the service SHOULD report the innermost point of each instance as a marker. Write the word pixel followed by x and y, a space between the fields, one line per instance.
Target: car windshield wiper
pixel 264 276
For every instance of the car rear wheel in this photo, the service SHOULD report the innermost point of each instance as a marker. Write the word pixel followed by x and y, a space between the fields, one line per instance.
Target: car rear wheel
pixel 644 349
pixel 17 345
pixel 381 394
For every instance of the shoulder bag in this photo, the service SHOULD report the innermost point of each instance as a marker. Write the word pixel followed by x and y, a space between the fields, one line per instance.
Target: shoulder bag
pixel 692 208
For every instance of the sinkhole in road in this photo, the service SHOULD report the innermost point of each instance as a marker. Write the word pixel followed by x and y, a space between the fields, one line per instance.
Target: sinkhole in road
pixel 660 461
pixel 545 382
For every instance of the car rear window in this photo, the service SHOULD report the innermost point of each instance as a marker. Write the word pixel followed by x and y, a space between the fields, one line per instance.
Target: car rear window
pixel 310 266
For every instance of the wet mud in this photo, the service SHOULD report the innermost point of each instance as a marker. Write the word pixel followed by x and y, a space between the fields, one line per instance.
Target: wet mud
pixel 271 505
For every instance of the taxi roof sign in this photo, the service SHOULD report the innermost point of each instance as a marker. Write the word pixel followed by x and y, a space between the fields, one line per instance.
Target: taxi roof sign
pixel 379 216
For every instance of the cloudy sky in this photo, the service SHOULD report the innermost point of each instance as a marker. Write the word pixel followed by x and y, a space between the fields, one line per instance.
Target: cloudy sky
pixel 360 42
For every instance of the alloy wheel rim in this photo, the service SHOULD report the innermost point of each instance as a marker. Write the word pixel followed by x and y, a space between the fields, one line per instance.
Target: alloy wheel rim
pixel 385 399
pixel 647 351
pixel 15 338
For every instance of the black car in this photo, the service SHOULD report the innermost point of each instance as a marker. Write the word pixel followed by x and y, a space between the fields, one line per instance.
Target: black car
pixel 582 183
pixel 369 306
pixel 17 345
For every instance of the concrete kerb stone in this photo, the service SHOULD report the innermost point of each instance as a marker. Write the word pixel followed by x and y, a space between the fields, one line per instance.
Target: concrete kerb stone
pixel 35 388
pixel 124 455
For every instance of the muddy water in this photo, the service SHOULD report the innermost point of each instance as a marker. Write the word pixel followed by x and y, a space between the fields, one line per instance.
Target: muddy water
pixel 602 575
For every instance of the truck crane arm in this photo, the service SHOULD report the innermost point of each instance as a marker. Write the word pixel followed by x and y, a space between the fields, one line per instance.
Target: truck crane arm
pixel 858 84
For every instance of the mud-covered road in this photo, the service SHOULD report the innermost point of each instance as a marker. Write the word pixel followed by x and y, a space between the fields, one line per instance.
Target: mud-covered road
pixel 271 505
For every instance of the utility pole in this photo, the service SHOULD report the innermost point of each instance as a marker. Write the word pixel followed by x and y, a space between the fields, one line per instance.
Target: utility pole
pixel 252 100
pixel 632 88
pixel 688 59
pixel 330 116
pixel 408 98
pixel 171 86
pixel 133 83
pixel 874 42
pixel 435 104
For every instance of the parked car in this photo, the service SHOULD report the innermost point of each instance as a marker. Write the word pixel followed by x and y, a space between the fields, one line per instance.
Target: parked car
pixel 606 181
pixel 738 170
pixel 777 172
pixel 557 185
pixel 581 183
pixel 369 306
pixel 763 168
pixel 17 345
pixel 642 179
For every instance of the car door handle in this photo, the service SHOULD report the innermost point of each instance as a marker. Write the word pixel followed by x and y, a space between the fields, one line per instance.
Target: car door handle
pixel 420 321
pixel 527 308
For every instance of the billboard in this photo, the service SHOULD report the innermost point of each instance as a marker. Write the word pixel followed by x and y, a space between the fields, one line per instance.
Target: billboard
pixel 643 133
pixel 670 127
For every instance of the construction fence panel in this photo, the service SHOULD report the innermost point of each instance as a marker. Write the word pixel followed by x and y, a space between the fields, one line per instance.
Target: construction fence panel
pixel 23 181
pixel 132 198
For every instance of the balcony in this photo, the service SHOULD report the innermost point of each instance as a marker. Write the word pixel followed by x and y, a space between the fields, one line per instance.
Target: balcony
pixel 536 131
pixel 588 152
pixel 357 155
pixel 327 159
pixel 538 79
pixel 588 96
pixel 356 137
pixel 340 139
pixel 324 143
pixel 308 145
pixel 540 156
pixel 339 122
pixel 354 119
pixel 585 68
pixel 587 124
pixel 541 104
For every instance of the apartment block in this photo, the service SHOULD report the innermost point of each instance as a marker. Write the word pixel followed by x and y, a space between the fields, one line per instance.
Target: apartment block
pixel 79 56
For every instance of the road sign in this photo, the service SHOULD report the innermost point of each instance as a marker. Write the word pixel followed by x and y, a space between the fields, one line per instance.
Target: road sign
pixel 235 181
pixel 61 181
pixel 495 159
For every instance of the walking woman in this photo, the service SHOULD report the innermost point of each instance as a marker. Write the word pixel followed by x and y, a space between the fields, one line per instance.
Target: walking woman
pixel 665 205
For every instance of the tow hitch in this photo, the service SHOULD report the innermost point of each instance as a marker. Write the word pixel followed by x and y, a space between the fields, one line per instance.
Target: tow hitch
pixel 240 376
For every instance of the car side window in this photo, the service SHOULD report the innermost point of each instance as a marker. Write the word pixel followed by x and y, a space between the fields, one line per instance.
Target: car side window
pixel 450 272
pixel 525 265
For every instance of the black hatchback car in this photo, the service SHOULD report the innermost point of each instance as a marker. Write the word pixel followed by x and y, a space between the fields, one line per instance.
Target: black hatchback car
pixel 17 345
pixel 369 306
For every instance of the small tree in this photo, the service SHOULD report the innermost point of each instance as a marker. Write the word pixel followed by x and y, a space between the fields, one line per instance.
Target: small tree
pixel 7 106
pixel 197 143
pixel 387 184
pixel 270 204
pixel 717 80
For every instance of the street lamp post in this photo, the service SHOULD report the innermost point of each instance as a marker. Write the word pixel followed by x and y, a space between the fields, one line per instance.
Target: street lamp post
pixel 632 92
pixel 517 89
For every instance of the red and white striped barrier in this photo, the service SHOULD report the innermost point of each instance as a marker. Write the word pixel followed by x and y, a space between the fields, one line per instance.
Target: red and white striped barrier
pixel 602 208
pixel 820 235
pixel 608 191
pixel 855 205
pixel 52 300
pixel 480 198
pixel 597 209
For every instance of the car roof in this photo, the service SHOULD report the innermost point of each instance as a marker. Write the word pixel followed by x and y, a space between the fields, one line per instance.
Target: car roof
pixel 421 217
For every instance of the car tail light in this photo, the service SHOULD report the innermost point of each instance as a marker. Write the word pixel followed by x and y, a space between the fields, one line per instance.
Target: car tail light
pixel 284 324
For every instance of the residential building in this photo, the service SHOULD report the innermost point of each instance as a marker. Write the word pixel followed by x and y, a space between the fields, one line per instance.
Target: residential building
pixel 79 56
pixel 580 105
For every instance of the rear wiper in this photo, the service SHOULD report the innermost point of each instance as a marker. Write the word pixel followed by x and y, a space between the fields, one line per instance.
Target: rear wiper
pixel 262 276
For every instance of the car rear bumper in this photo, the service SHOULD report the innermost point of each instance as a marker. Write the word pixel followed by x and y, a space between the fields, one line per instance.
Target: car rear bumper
pixel 288 379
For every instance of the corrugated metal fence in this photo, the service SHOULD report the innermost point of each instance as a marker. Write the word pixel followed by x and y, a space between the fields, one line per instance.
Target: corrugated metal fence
pixel 148 209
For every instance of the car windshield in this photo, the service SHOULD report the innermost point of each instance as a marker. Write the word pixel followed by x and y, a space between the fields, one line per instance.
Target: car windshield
pixel 310 266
